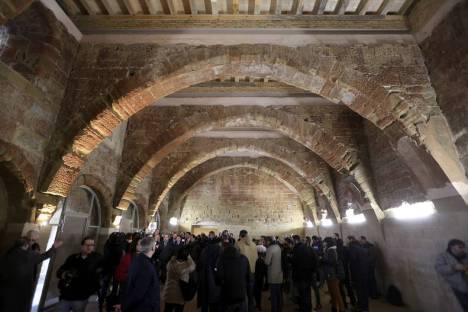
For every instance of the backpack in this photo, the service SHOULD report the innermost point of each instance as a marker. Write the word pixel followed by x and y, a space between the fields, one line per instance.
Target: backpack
pixel 188 289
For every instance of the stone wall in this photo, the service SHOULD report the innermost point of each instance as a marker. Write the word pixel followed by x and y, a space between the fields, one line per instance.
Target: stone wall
pixel 446 57
pixel 394 181
pixel 243 198
pixel 36 57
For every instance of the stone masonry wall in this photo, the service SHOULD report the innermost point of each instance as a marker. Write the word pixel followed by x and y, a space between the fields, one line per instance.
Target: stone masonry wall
pixel 243 198
pixel 394 181
pixel 446 57
pixel 36 57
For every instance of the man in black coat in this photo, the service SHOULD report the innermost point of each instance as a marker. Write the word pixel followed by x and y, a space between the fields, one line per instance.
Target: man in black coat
pixel 142 291
pixel 208 291
pixel 233 275
pixel 359 269
pixel 79 277
pixel 304 265
pixel 17 275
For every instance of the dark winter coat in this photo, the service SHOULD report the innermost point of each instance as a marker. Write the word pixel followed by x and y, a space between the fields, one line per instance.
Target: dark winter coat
pixel 208 291
pixel 233 275
pixel 332 266
pixel 358 262
pixel 17 278
pixel 79 277
pixel 142 290
pixel 304 263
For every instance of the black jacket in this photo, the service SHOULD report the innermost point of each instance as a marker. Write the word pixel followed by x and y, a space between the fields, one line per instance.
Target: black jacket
pixel 17 278
pixel 208 290
pixel 233 275
pixel 359 262
pixel 304 263
pixel 142 290
pixel 79 278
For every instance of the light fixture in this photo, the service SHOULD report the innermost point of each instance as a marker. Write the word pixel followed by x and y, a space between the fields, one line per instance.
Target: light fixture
pixel 309 224
pixel 43 219
pixel 173 221
pixel 326 222
pixel 117 220
pixel 354 219
pixel 407 211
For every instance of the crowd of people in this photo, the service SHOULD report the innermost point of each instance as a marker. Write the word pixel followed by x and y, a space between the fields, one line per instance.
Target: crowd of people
pixel 137 271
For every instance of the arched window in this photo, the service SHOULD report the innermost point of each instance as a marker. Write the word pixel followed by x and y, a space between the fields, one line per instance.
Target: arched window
pixel 83 213
pixel 133 216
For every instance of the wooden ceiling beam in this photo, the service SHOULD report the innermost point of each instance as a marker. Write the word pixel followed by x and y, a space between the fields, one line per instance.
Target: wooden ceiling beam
pixel 108 7
pixel 297 7
pixel 405 7
pixel 129 7
pixel 151 6
pixel 235 6
pixel 71 7
pixel 383 5
pixel 87 7
pixel 102 23
pixel 362 7
pixel 322 6
pixel 172 7
pixel 275 7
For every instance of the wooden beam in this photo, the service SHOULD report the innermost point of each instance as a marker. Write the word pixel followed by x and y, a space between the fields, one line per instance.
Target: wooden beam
pixel 362 7
pixel 343 7
pixel 71 7
pixel 108 7
pixel 151 6
pixel 297 7
pixel 193 7
pixel 405 7
pixel 129 7
pixel 208 7
pixel 323 5
pixel 254 7
pixel 316 7
pixel 381 9
pixel 87 7
pixel 172 7
pixel 235 6
pixel 102 23
pixel 275 7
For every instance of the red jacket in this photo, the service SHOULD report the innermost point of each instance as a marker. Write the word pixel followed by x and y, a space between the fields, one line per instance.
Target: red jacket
pixel 121 274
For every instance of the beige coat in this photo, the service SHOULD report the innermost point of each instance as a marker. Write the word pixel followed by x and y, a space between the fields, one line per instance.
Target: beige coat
pixel 273 261
pixel 176 270
pixel 248 249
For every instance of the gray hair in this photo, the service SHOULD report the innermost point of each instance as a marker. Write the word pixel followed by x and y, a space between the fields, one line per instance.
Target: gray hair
pixel 146 244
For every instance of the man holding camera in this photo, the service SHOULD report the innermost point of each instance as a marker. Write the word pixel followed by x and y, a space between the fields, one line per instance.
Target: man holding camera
pixel 79 278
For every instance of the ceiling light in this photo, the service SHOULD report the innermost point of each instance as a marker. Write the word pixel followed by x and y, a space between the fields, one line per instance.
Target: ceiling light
pixel 359 218
pixel 309 224
pixel 173 221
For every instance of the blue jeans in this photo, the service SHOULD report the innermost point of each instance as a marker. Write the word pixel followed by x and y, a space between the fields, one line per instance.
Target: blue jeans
pixel 75 306
pixel 276 298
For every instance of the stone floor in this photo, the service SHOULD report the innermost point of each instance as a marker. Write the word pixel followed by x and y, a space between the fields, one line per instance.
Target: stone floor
pixel 375 305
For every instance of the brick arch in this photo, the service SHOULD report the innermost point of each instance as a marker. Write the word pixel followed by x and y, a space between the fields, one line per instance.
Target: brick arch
pixel 19 165
pixel 339 155
pixel 322 73
pixel 270 166
pixel 172 168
